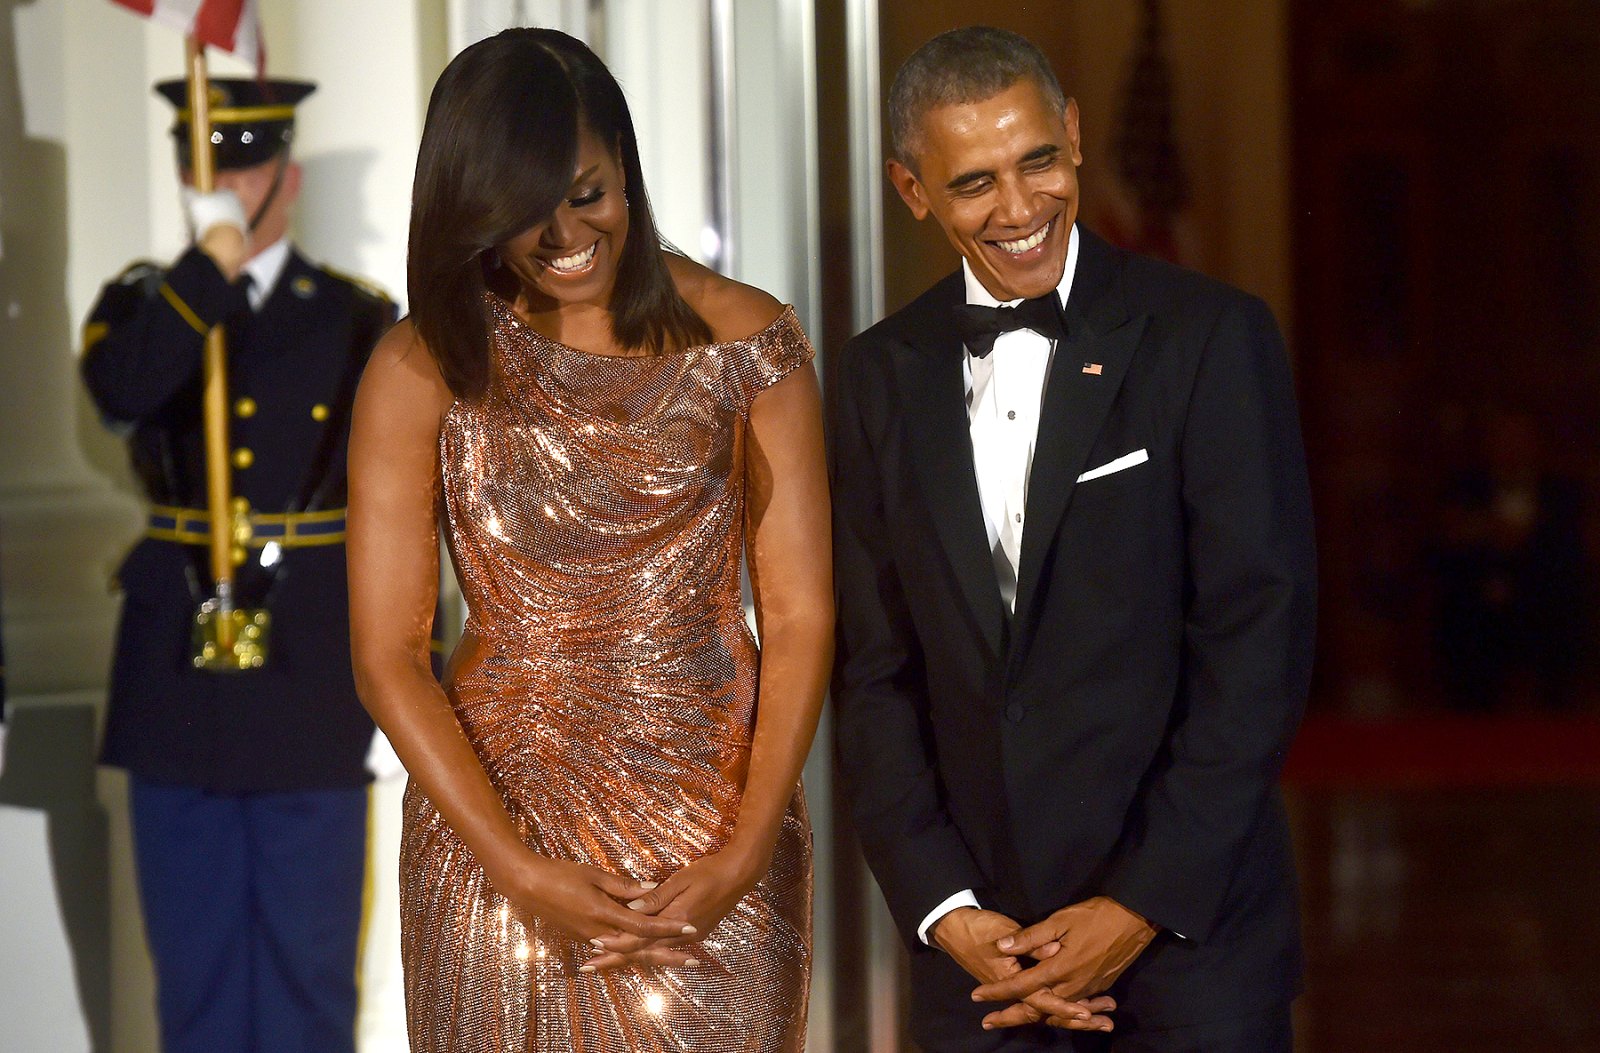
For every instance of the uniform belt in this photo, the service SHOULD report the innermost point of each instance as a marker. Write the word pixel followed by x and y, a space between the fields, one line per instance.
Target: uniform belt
pixel 192 526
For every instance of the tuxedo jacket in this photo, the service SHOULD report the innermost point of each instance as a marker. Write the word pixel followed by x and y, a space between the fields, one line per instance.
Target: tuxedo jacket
pixel 295 724
pixel 1120 733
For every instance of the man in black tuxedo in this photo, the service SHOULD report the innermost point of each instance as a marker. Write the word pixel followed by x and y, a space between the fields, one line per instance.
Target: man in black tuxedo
pixel 1076 596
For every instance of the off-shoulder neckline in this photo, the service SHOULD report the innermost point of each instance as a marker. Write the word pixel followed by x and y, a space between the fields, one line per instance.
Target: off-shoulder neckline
pixel 500 304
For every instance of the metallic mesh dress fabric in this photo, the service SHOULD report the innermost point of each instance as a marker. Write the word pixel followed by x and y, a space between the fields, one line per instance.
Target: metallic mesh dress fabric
pixel 595 509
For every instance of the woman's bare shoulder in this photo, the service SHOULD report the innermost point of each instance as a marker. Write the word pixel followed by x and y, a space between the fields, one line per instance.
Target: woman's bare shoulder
pixel 733 310
pixel 402 373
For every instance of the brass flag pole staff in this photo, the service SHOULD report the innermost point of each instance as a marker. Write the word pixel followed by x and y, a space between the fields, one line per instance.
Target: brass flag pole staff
pixel 223 640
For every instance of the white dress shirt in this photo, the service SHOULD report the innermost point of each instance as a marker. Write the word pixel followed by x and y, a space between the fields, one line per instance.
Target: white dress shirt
pixel 1004 392
pixel 264 269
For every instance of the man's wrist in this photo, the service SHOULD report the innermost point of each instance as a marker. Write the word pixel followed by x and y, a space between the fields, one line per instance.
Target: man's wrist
pixel 965 898
pixel 944 925
pixel 1133 915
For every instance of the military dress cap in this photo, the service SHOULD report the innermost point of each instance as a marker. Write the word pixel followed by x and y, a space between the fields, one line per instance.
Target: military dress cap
pixel 252 121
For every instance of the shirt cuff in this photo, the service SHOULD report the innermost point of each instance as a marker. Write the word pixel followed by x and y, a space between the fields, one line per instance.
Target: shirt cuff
pixel 964 898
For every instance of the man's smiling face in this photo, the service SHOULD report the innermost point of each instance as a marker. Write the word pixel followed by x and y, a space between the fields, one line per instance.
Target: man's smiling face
pixel 1001 177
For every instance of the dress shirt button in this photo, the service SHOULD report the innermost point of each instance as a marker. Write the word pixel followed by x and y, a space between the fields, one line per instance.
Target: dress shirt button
pixel 245 407
pixel 243 458
pixel 1019 517
pixel 1014 712
pixel 1011 414
pixel 319 412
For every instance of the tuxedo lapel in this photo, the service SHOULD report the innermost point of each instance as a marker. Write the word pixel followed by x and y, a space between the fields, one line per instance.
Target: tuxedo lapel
pixel 927 368
pixel 1085 373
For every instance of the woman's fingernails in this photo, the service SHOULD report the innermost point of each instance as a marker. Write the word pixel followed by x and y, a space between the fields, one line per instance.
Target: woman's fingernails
pixel 688 930
pixel 597 943
pixel 586 968
pixel 637 904
pixel 691 962
pixel 649 884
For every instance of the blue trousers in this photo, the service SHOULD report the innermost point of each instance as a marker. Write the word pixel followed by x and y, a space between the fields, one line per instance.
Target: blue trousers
pixel 252 907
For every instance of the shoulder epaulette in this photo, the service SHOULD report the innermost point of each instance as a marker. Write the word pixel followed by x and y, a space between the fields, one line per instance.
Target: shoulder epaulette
pixel 142 273
pixel 371 288
pixel 119 298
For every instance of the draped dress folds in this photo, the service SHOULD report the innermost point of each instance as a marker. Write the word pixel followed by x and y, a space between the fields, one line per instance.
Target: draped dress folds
pixel 595 512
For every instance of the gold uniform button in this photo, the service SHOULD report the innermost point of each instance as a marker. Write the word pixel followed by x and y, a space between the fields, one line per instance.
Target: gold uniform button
pixel 240 506
pixel 319 412
pixel 243 458
pixel 245 407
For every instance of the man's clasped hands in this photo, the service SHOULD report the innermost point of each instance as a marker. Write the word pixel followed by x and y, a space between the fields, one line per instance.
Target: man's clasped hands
pixel 1076 955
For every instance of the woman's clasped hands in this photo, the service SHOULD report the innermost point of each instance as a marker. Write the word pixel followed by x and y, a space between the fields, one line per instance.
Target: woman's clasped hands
pixel 631 922
pixel 696 898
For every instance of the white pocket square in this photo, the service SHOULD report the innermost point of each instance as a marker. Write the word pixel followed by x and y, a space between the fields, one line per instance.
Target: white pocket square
pixel 1127 460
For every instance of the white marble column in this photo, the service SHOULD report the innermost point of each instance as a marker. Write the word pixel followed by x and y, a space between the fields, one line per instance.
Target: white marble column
pixel 71 115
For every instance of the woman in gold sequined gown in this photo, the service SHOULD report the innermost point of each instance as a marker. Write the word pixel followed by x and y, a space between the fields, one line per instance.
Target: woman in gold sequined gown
pixel 605 843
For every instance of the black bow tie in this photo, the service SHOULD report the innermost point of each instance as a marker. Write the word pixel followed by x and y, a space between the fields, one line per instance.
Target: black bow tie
pixel 980 326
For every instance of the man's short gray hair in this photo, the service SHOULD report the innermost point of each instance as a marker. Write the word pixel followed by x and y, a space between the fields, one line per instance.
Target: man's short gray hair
pixel 962 65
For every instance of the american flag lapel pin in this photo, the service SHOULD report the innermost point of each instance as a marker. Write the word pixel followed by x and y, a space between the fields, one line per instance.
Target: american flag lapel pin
pixel 1093 369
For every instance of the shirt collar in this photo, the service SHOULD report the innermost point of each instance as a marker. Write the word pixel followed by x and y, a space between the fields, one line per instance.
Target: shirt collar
pixel 265 268
pixel 977 294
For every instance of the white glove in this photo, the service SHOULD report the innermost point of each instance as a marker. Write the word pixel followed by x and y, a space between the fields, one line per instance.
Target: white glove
pixel 220 208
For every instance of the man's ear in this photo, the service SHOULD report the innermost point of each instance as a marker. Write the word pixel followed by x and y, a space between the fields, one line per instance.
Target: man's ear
pixel 1069 120
pixel 289 189
pixel 910 188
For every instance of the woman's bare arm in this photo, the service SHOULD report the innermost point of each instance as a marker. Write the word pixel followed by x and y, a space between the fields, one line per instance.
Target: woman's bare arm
pixel 791 577
pixel 394 568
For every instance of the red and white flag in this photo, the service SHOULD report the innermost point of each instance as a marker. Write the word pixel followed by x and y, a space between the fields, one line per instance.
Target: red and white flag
pixel 232 25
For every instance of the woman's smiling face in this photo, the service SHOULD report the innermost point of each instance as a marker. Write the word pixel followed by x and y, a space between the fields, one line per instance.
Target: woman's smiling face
pixel 573 256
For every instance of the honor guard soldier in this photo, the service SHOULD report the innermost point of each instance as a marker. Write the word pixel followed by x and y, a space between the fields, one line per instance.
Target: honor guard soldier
pixel 248 786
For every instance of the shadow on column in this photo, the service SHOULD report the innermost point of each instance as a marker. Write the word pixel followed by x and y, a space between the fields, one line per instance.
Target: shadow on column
pixel 50 750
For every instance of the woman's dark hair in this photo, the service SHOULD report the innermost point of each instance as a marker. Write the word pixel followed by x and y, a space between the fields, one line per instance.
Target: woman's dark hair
pixel 497 157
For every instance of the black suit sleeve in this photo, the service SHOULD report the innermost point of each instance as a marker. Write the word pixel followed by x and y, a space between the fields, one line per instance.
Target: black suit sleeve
pixel 880 694
pixel 145 338
pixel 1248 634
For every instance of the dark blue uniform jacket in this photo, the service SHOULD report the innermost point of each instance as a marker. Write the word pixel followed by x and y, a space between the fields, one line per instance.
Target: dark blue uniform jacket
pixel 295 724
